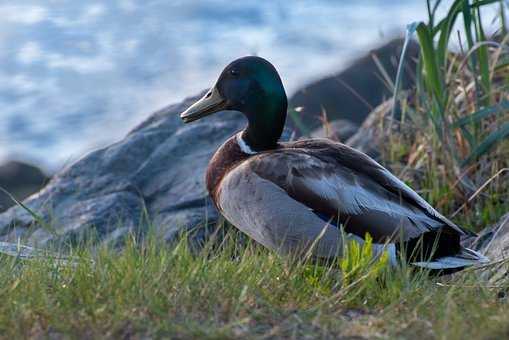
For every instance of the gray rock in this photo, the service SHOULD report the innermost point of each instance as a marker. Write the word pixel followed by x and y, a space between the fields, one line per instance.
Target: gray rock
pixel 21 180
pixel 338 130
pixel 154 176
pixel 374 131
pixel 353 93
pixel 26 253
pixel 494 241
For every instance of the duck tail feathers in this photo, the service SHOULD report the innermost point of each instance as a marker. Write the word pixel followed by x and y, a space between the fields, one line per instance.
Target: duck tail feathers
pixel 465 258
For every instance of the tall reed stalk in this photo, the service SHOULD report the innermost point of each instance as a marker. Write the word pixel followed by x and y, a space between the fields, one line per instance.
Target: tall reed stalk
pixel 441 70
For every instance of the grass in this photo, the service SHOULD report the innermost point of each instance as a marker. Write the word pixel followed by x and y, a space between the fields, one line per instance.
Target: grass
pixel 454 134
pixel 229 291
pixel 452 145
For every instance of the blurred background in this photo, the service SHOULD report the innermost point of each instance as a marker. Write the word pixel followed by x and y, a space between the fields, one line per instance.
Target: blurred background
pixel 76 75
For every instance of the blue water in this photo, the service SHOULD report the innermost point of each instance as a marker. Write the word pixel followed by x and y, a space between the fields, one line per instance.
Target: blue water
pixel 76 75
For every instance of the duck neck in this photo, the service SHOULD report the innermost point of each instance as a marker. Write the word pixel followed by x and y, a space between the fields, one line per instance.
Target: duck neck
pixel 264 127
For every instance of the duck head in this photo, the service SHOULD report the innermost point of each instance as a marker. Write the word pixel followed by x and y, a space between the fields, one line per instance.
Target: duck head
pixel 252 86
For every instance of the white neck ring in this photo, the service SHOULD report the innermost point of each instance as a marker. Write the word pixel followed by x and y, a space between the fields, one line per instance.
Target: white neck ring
pixel 244 147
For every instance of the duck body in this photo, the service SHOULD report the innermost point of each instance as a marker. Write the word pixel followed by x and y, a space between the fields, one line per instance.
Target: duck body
pixel 310 196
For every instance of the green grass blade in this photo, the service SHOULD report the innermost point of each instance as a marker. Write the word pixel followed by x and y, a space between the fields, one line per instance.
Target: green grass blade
pixel 482 52
pixel 481 3
pixel 491 140
pixel 453 12
pixel 36 217
pixel 481 114
pixel 503 19
pixel 445 28
pixel 467 22
pixel 432 11
pixel 468 136
pixel 432 78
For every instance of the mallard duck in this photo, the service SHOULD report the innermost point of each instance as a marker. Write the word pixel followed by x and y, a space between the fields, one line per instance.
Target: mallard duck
pixel 309 196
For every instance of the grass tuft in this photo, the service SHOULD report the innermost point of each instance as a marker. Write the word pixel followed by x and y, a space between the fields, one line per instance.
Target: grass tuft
pixel 229 291
pixel 454 139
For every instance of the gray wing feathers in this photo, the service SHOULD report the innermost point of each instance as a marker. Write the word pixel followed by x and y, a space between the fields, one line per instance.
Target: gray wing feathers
pixel 337 190
pixel 362 164
pixel 368 203
pixel 401 186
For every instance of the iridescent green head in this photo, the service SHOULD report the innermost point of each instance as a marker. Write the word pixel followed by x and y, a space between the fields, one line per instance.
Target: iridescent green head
pixel 252 86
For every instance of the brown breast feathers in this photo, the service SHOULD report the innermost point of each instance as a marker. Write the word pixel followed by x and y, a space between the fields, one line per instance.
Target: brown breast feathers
pixel 226 158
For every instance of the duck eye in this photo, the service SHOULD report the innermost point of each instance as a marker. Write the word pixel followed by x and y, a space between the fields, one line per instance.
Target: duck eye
pixel 234 72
